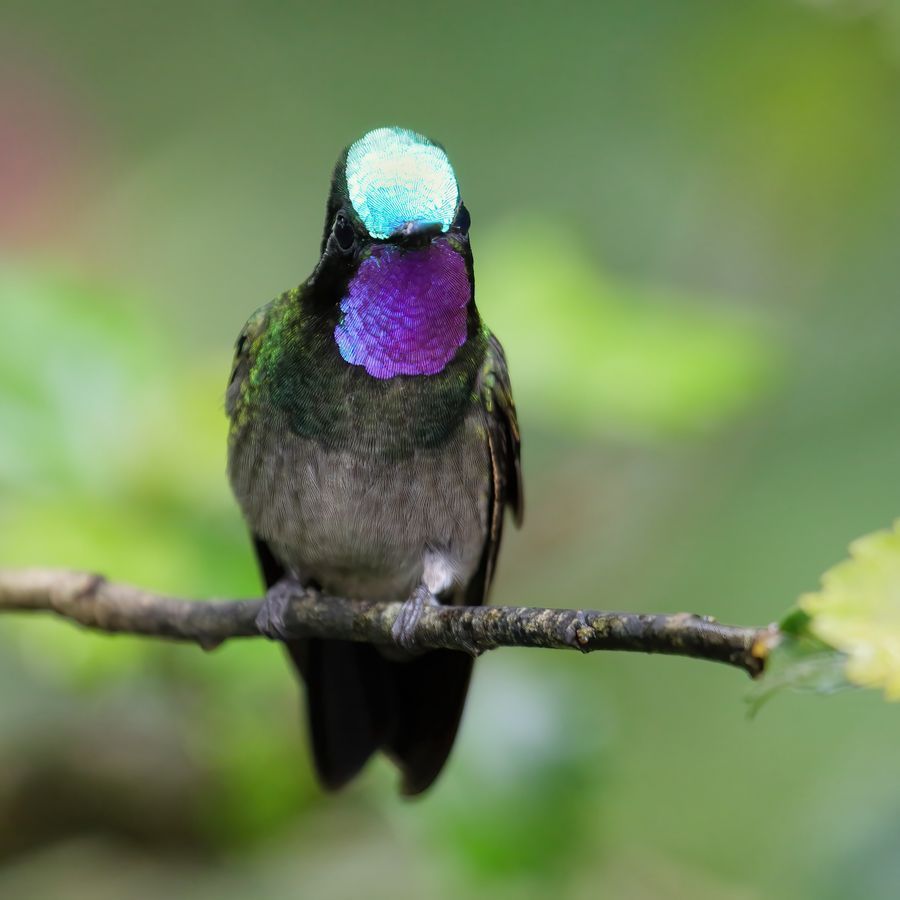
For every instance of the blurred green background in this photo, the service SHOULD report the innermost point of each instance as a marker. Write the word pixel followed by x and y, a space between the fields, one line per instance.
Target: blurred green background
pixel 686 219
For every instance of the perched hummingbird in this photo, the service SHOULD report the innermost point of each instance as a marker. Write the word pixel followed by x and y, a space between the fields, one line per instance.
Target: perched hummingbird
pixel 373 450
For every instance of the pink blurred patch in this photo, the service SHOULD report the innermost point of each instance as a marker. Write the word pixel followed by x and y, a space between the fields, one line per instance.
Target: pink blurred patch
pixel 44 154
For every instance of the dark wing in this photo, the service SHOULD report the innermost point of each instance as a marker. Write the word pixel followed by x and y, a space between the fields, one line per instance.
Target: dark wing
pixel 244 354
pixel 504 446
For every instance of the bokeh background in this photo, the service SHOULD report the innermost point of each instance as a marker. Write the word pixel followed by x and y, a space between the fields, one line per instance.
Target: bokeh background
pixel 685 224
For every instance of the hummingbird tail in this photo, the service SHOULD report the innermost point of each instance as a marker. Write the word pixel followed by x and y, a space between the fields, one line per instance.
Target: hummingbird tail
pixel 346 701
pixel 429 695
pixel 359 702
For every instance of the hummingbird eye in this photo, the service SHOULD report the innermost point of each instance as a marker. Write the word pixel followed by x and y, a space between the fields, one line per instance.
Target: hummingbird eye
pixel 463 220
pixel 344 233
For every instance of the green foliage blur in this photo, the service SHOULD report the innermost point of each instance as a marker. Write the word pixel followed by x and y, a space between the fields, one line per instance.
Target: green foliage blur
pixel 685 226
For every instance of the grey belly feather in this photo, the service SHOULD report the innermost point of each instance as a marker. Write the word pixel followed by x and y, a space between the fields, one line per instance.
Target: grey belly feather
pixel 361 526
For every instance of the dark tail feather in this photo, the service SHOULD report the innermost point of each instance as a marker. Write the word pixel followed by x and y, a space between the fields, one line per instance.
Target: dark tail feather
pixel 359 702
pixel 346 693
pixel 430 692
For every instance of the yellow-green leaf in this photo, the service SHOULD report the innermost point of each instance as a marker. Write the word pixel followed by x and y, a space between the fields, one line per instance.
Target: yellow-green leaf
pixel 857 611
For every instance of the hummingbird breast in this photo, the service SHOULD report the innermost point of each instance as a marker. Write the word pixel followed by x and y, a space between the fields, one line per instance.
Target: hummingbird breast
pixel 364 525
pixel 360 483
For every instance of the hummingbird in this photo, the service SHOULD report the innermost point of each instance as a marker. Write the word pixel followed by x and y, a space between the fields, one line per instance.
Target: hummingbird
pixel 373 450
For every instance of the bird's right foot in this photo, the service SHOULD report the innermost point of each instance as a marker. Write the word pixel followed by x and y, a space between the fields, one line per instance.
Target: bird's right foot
pixel 272 618
pixel 404 628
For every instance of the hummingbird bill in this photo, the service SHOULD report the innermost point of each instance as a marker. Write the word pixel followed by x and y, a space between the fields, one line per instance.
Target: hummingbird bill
pixel 374 449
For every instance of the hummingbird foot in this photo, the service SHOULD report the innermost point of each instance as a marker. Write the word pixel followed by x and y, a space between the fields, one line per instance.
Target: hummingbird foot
pixel 271 620
pixel 404 628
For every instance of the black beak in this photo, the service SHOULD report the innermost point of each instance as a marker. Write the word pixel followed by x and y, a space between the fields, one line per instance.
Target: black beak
pixel 417 234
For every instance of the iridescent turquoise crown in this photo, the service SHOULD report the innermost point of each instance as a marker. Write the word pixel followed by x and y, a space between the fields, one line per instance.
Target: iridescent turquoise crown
pixel 395 176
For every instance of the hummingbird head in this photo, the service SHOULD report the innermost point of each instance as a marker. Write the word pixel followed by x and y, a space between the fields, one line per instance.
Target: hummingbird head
pixel 396 247
pixel 393 185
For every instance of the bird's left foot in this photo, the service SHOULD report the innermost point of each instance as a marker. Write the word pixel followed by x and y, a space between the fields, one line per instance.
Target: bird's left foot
pixel 271 620
pixel 404 628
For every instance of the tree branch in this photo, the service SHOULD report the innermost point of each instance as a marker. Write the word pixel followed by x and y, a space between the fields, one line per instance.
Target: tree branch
pixel 96 603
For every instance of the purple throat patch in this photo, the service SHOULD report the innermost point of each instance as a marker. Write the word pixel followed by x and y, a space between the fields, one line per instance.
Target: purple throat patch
pixel 405 310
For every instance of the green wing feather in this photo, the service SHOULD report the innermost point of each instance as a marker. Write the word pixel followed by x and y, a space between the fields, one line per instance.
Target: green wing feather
pixel 504 445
